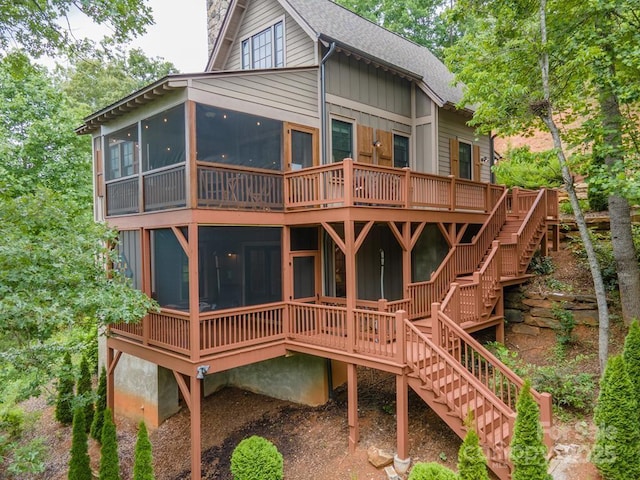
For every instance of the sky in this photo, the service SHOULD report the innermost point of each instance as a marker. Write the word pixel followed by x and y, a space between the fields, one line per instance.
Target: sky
pixel 179 34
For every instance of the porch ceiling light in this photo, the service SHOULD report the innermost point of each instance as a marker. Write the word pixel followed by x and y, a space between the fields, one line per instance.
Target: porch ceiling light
pixel 201 371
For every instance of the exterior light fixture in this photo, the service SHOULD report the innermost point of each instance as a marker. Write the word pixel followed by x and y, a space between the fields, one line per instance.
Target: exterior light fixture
pixel 201 371
pixel 377 144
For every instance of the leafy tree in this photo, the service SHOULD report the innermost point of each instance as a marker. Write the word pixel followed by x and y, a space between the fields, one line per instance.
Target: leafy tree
pixel 46 27
pixel 616 452
pixel 79 463
pixel 631 356
pixel 528 451
pixel 431 471
pixel 101 406
pixel 523 168
pixel 64 398
pixel 523 70
pixel 256 458
pixel 84 392
pixel 143 463
pixel 109 462
pixel 472 464
pixel 421 21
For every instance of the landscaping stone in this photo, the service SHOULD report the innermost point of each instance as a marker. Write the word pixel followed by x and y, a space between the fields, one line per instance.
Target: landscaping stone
pixel 391 473
pixel 586 317
pixel 512 315
pixel 542 312
pixel 537 303
pixel 379 458
pixel 544 322
pixel 561 297
pixel 525 329
pixel 533 295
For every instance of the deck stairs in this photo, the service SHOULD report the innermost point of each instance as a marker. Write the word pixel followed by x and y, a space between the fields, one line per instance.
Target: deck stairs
pixel 453 373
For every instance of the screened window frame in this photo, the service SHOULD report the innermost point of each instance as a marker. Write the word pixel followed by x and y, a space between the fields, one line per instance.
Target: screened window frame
pixel 352 123
pixel 408 138
pixel 277 53
pixel 113 174
pixel 460 161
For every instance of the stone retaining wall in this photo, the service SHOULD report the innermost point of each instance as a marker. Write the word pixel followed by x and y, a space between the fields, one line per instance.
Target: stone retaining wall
pixel 534 309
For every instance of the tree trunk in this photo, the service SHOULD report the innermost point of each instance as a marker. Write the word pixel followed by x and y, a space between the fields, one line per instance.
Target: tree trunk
pixel 546 114
pixel 619 212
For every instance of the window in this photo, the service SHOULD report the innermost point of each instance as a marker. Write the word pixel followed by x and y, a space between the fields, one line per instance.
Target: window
pixel 235 138
pixel 130 264
pixel 400 151
pixel 265 49
pixel 169 270
pixel 341 140
pixel 122 153
pixel 163 139
pixel 465 155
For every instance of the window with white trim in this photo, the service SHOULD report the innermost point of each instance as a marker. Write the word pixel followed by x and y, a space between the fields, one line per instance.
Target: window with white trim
pixel 265 49
pixel 341 140
pixel 400 151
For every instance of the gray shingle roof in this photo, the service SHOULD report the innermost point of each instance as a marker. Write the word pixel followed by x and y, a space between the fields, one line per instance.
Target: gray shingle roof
pixel 329 19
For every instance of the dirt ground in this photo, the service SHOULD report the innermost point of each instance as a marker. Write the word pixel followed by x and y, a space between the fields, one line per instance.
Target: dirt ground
pixel 313 441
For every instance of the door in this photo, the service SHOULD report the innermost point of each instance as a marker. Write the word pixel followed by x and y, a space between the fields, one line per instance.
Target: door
pixel 304 269
pixel 301 146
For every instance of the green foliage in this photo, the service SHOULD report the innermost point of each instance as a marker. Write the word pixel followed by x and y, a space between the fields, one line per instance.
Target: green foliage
pixel 616 452
pixel 84 392
pixel 28 459
pixel 256 458
pixel 567 322
pixel 46 27
pixel 472 464
pixel 143 463
pixel 631 355
pixel 109 462
pixel 431 471
pixel 65 397
pixel 540 265
pixel 79 463
pixel 528 451
pixel 598 199
pixel 520 167
pixel 100 406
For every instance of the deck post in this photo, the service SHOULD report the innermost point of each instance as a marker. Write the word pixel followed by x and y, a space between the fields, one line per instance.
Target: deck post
pixel 435 324
pixel 402 416
pixel 196 440
pixel 401 337
pixel 452 191
pixel 110 379
pixel 348 181
pixel 194 293
pixel 408 192
pixel 350 271
pixel 352 406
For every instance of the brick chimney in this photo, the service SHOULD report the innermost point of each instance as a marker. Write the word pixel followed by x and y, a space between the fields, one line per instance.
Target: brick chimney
pixel 216 10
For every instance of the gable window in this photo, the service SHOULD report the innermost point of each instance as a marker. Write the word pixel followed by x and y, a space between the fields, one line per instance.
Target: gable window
pixel 122 153
pixel 465 157
pixel 265 49
pixel 400 151
pixel 341 140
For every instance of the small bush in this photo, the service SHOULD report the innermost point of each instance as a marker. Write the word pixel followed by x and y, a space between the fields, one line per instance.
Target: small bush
pixel 631 356
pixel 143 462
pixel 100 406
pixel 29 460
pixel 568 389
pixel 64 399
pixel 79 463
pixel 472 464
pixel 541 265
pixel 84 393
pixel 256 458
pixel 432 471
pixel 564 333
pixel 109 461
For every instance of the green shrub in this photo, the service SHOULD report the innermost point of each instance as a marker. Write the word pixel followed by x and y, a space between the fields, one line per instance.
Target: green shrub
pixel 256 458
pixel 64 399
pixel 567 322
pixel 84 393
pixel 431 471
pixel 29 459
pixel 12 421
pixel 143 462
pixel 540 265
pixel 568 389
pixel 109 462
pixel 472 464
pixel 101 405
pixel 616 452
pixel 79 463
pixel 528 451
pixel 631 355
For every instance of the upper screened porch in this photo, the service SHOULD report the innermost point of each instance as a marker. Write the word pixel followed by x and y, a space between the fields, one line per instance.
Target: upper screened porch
pixel 199 156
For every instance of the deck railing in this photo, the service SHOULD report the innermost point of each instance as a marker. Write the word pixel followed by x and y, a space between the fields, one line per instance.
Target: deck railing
pixel 165 189
pixel 122 196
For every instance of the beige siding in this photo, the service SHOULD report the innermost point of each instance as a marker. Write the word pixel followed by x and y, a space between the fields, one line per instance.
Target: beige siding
pixel 423 104
pixel 368 119
pixel 424 147
pixel 364 83
pixel 452 125
pixel 260 14
pixel 290 93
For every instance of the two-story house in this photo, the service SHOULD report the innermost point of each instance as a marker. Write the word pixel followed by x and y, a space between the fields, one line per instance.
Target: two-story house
pixel 313 202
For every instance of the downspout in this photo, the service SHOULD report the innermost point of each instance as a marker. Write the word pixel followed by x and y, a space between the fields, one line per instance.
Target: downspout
pixel 323 102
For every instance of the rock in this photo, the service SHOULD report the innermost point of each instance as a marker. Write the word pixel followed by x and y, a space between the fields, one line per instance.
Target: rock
pixel 533 295
pixel 542 312
pixel 561 297
pixel 586 298
pixel 544 322
pixel 538 303
pixel 511 315
pixel 513 299
pixel 586 317
pixel 379 458
pixel 391 473
pixel 525 329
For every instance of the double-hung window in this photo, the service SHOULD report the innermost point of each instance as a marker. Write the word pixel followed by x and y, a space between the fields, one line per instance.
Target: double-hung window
pixel 341 140
pixel 465 158
pixel 265 49
pixel 400 151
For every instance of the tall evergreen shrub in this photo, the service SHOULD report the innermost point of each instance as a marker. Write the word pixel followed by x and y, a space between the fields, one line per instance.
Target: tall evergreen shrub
pixel 616 452
pixel 79 463
pixel 84 392
pixel 472 464
pixel 431 471
pixel 101 405
pixel 143 463
pixel 631 356
pixel 109 462
pixel 64 398
pixel 256 458
pixel 528 451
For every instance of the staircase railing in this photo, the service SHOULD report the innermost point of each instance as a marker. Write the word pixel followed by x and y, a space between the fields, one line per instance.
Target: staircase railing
pixel 462 258
pixel 518 252
pixel 441 373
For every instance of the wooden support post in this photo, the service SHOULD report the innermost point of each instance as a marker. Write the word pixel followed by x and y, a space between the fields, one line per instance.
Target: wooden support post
pixel 194 293
pixel 287 279
pixel 348 181
pixel 544 244
pixel 435 324
pixel 351 287
pixel 401 337
pixel 402 416
pixel 352 406
pixel 406 259
pixel 452 190
pixel 408 191
pixel 110 379
pixel 196 439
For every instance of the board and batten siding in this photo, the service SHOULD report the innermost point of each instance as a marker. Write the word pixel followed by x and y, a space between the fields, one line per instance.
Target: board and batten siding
pixel 364 83
pixel 452 125
pixel 286 95
pixel 261 14
pixel 368 119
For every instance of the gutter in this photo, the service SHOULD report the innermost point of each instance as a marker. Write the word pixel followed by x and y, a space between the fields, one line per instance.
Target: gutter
pixel 323 102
